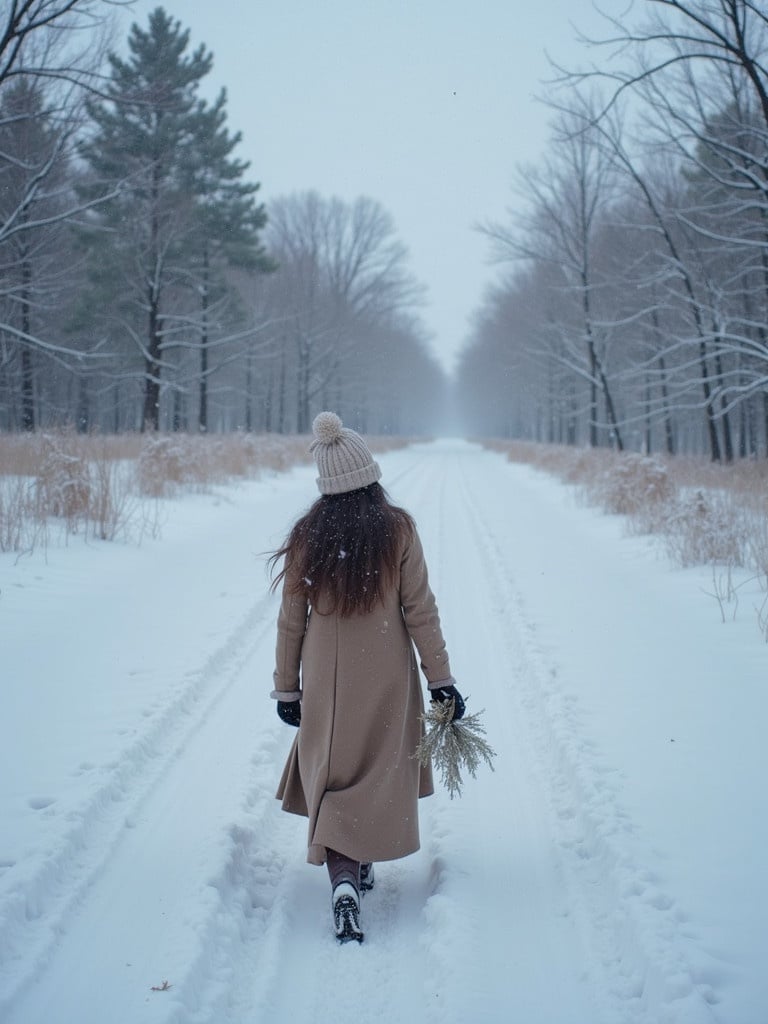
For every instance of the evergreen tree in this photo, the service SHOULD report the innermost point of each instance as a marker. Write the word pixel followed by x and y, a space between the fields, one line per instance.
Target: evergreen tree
pixel 182 205
pixel 228 223
pixel 33 169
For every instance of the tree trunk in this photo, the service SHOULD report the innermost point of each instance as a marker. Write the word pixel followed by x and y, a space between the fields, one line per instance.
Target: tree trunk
pixel 669 433
pixel 597 376
pixel 572 422
pixel 202 419
pixel 611 410
pixel 83 406
pixel 151 416
pixel 714 440
pixel 302 391
pixel 281 393
pixel 593 440
pixel 248 424
pixel 116 408
pixel 27 370
pixel 724 416
pixel 743 430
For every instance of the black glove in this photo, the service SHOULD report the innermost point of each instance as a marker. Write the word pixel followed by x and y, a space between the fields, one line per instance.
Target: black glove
pixel 290 711
pixel 443 693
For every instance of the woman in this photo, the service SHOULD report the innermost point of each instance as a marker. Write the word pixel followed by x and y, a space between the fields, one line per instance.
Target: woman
pixel 355 599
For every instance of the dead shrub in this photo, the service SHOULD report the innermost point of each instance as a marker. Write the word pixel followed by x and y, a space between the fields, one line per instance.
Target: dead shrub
pixel 278 453
pixel 706 529
pixel 85 484
pixel 757 542
pixel 706 514
pixel 239 455
pixel 63 481
pixel 583 465
pixel 163 465
pixel 636 486
pixel 20 526
pixel 113 505
pixel 19 455
pixel 168 463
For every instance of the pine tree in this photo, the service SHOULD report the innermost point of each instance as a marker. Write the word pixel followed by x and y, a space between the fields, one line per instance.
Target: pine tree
pixel 33 169
pixel 228 223
pixel 182 205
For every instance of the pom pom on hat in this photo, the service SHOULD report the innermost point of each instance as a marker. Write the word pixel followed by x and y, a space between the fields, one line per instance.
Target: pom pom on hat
pixel 327 427
pixel 343 459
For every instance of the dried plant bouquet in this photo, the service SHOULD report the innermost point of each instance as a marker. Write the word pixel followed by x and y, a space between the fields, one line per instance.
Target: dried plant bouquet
pixel 453 747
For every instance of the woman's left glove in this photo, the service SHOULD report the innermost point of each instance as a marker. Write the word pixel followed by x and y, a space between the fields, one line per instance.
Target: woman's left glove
pixel 443 693
pixel 290 711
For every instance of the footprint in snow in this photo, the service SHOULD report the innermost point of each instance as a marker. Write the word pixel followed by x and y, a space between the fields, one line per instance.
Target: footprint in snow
pixel 39 803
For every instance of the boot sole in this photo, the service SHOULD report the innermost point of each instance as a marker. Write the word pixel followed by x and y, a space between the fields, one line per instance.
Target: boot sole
pixel 346 911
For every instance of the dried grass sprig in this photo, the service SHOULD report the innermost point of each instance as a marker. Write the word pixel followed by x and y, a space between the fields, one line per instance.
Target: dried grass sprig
pixel 453 746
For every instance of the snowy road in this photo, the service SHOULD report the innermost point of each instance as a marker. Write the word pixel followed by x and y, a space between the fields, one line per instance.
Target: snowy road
pixel 584 882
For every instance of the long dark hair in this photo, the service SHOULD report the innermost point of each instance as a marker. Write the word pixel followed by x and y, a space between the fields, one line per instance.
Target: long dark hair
pixel 343 552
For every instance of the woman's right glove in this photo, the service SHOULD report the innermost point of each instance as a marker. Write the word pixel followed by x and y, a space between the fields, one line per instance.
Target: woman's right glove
pixel 290 711
pixel 443 693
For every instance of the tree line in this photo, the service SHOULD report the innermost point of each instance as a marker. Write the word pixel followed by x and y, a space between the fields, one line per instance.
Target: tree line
pixel 632 310
pixel 144 285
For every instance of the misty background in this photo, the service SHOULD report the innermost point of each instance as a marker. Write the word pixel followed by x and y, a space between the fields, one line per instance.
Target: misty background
pixel 547 224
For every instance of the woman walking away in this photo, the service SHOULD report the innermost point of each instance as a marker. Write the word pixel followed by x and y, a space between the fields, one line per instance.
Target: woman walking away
pixel 355 600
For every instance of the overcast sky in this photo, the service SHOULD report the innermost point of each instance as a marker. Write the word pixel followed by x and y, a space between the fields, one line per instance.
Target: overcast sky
pixel 425 105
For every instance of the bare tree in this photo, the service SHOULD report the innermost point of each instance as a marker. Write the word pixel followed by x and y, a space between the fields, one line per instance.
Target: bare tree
pixel 699 71
pixel 566 199
pixel 341 270
pixel 676 295
pixel 53 39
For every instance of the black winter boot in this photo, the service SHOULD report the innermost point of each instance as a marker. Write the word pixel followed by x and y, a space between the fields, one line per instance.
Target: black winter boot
pixel 345 913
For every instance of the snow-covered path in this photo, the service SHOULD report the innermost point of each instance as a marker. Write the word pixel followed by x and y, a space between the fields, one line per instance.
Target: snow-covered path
pixel 589 879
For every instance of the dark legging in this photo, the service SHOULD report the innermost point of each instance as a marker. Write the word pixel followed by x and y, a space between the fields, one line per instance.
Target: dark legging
pixel 343 869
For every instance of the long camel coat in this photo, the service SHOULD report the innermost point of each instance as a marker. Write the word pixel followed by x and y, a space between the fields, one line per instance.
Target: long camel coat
pixel 351 768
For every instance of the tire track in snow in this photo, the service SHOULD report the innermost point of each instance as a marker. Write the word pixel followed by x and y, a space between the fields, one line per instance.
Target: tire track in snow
pixel 492 850
pixel 631 924
pixel 36 914
pixel 243 935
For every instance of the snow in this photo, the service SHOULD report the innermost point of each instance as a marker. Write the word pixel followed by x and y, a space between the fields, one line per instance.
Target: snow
pixel 610 870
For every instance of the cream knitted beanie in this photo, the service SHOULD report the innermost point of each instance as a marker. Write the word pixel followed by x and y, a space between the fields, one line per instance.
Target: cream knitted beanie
pixel 343 459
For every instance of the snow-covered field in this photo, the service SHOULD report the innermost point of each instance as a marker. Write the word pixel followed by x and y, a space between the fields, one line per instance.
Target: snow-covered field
pixel 612 869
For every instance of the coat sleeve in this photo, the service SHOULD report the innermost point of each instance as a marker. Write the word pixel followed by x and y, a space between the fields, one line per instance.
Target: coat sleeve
pixel 291 627
pixel 420 613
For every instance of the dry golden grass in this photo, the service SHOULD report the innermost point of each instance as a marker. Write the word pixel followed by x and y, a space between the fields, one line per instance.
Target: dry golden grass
pixel 171 462
pixel 705 513
pixel 20 525
pixel 20 453
pixel 101 485
pixel 63 479
pixel 70 483
pixel 705 528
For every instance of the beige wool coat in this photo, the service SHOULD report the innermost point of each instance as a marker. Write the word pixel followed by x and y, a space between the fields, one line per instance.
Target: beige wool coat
pixel 351 768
